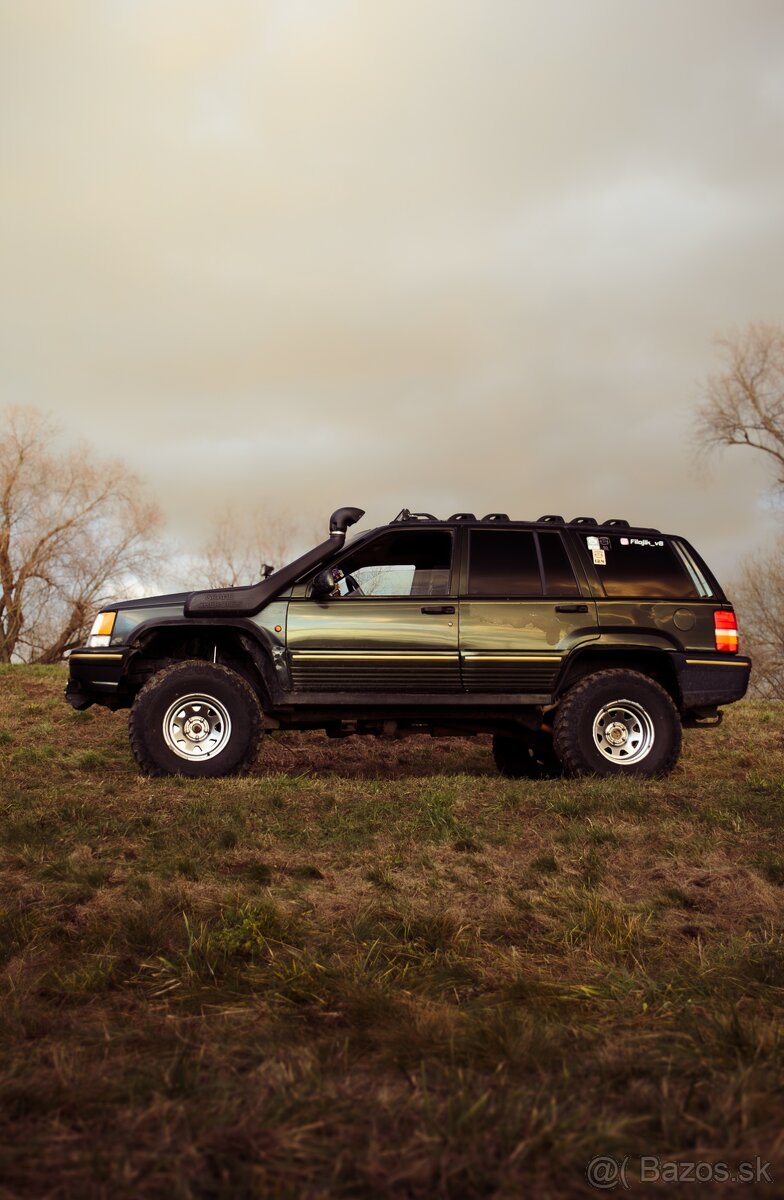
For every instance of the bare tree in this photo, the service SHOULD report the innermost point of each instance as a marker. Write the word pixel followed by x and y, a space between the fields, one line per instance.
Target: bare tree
pixel 744 406
pixel 744 402
pixel 239 546
pixel 73 532
pixel 759 598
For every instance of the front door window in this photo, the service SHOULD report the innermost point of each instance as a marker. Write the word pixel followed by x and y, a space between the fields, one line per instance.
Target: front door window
pixel 409 563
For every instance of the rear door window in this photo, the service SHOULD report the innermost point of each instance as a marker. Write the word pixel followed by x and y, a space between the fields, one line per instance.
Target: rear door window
pixel 503 562
pixel 559 577
pixel 519 562
pixel 644 567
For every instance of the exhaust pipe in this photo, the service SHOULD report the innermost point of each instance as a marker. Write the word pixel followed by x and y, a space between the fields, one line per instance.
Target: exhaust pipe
pixel 247 601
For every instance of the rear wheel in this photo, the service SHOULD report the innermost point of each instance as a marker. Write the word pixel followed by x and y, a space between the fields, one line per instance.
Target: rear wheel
pixel 195 718
pixel 617 723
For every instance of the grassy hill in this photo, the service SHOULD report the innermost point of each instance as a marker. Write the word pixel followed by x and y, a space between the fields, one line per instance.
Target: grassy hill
pixel 378 969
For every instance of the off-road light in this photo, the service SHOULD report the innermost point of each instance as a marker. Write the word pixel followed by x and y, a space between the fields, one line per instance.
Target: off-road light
pixel 726 630
pixel 101 632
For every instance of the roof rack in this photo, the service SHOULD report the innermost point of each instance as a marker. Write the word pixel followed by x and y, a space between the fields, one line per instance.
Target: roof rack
pixel 405 515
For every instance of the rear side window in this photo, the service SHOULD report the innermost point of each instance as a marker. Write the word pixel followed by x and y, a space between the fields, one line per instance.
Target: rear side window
pixel 503 562
pixel 559 578
pixel 640 566
pixel 696 573
pixel 519 562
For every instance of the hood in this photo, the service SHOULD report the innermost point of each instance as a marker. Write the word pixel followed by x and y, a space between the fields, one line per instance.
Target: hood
pixel 175 599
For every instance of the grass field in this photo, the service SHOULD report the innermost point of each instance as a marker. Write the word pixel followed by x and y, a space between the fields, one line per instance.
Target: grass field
pixel 378 969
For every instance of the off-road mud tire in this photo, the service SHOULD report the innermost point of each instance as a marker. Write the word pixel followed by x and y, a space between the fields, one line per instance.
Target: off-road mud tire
pixel 574 736
pixel 195 678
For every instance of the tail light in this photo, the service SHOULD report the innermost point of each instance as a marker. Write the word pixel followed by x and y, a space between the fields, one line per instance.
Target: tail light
pixel 726 630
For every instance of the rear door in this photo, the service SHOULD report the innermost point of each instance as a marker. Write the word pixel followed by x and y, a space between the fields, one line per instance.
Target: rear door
pixel 524 605
pixel 395 632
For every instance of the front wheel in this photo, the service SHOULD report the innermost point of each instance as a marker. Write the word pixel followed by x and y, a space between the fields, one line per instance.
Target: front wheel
pixel 617 723
pixel 195 718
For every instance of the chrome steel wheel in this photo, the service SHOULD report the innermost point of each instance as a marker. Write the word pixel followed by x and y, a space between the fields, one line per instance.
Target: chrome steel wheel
pixel 197 727
pixel 623 732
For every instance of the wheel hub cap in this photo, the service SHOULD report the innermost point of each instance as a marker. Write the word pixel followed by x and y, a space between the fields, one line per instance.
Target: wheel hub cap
pixel 197 727
pixel 616 733
pixel 623 732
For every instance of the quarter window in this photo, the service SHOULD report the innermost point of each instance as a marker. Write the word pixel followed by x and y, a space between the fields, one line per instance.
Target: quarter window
pixel 643 566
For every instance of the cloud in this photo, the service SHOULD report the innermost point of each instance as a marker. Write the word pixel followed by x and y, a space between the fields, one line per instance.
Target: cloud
pixel 447 255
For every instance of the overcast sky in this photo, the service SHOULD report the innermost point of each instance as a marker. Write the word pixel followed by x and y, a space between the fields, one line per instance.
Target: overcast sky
pixel 427 253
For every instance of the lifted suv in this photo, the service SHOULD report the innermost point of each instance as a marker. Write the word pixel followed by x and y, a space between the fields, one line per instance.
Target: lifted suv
pixel 581 646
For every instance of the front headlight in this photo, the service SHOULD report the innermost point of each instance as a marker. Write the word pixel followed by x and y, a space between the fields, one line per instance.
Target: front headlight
pixel 101 632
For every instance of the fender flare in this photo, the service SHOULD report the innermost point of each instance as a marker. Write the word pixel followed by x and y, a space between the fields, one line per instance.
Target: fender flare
pixel 658 649
pixel 268 656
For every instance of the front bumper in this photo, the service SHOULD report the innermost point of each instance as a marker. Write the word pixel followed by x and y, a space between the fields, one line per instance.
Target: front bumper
pixel 708 680
pixel 97 677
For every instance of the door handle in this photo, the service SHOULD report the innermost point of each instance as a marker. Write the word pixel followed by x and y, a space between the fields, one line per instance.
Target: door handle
pixel 571 608
pixel 433 609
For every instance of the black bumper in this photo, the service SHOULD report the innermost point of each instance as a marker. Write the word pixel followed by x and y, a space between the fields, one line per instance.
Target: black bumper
pixel 709 680
pixel 97 677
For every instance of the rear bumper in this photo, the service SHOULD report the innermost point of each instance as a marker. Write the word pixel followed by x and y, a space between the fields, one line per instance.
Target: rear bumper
pixel 708 680
pixel 96 677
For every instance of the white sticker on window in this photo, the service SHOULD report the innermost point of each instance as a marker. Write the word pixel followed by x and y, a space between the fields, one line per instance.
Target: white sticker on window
pixel 600 558
pixel 592 542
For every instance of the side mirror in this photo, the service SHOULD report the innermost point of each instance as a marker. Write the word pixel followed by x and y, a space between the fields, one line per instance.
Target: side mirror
pixel 323 585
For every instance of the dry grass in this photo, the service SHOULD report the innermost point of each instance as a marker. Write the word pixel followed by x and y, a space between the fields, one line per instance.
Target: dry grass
pixel 378 969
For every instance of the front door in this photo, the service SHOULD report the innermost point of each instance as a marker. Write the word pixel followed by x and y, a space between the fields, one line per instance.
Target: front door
pixel 522 610
pixel 394 626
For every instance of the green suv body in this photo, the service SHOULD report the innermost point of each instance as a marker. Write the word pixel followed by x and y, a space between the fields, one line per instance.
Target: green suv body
pixel 581 646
